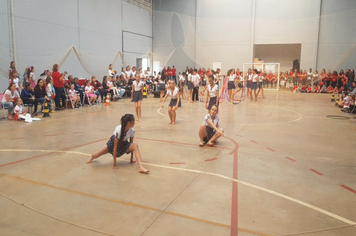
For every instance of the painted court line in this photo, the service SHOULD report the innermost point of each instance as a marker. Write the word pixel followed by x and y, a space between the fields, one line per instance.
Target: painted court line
pixel 315 208
pixel 49 135
pixel 176 163
pixel 133 204
pixel 291 159
pixel 254 141
pixel 316 172
pixel 348 188
pixel 271 149
pixel 213 159
pixel 18 138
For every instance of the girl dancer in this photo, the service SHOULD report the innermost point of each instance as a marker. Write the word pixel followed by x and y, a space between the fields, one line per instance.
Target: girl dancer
pixel 181 81
pixel 209 131
pixel 260 82
pixel 254 84
pixel 231 85
pixel 119 143
pixel 136 95
pixel 248 79
pixel 212 94
pixel 172 91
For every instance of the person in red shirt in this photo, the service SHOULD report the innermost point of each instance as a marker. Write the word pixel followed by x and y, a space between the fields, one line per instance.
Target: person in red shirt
pixel 58 82
pixel 169 73
pixel 330 89
pixel 174 74
pixel 303 89
pixel 309 89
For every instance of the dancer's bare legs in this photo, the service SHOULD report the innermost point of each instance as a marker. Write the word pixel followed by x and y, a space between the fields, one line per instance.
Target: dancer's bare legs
pixel 139 111
pixel 134 148
pixel 174 115
pixel 215 137
pixel 104 150
pixel 202 134
pixel 170 115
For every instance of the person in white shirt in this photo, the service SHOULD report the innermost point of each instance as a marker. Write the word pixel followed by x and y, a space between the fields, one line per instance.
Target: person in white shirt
pixel 248 79
pixel 19 111
pixel 212 96
pixel 9 98
pixel 254 82
pixel 175 102
pixel 231 85
pixel 195 81
pixel 16 80
pixel 310 75
pixel 121 142
pixel 137 94
pixel 190 86
pixel 89 93
pixel 209 131
pixel 111 71
pixel 128 72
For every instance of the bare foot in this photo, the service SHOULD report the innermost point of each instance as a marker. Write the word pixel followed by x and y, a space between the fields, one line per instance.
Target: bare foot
pixel 201 144
pixel 90 160
pixel 143 171
pixel 173 123
pixel 170 123
pixel 139 120
pixel 210 144
pixel 132 161
pixel 9 117
pixel 191 102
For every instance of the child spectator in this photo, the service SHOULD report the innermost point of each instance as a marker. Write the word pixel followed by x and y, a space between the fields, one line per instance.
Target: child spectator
pixel 78 88
pixel 19 109
pixel 330 89
pixel 73 96
pixel 323 89
pixel 309 89
pixel 89 93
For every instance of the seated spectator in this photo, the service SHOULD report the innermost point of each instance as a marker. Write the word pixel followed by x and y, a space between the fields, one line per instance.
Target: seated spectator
pixel 78 88
pixel 330 89
pixel 89 93
pixel 27 93
pixel 10 96
pixel 19 108
pixel 112 88
pixel 341 89
pixel 323 89
pixel 309 89
pixel 98 89
pixel 73 96
pixel 303 89
pixel 353 88
pixel 117 85
pixel 345 104
pixel 316 89
pixel 40 95
pixel 336 90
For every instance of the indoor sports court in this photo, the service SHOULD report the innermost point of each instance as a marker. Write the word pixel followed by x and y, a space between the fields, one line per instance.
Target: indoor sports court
pixel 285 164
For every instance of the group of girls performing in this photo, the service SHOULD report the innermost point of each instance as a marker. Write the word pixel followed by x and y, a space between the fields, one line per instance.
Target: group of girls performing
pixel 122 140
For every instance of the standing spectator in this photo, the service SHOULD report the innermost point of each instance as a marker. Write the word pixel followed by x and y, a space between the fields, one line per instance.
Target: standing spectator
pixel 169 73
pixel 174 73
pixel 315 77
pixel 58 82
pixel 12 69
pixel 49 91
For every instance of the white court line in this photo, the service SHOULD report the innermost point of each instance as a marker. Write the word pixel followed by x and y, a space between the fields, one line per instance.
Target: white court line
pixel 212 174
pixel 159 111
pixel 280 123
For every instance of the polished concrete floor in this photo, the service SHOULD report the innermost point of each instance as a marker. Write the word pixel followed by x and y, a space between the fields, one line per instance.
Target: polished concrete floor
pixel 283 168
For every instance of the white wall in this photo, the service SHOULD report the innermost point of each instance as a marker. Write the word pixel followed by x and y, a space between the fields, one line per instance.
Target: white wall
pixel 45 32
pixel 226 31
pixel 139 21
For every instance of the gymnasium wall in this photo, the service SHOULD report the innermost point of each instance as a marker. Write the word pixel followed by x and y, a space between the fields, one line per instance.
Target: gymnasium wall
pixel 83 36
pixel 227 30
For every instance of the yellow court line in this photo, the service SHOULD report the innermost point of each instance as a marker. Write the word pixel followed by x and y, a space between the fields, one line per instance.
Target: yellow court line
pixel 132 204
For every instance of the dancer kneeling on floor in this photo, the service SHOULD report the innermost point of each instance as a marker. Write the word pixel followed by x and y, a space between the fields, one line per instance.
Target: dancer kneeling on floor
pixel 209 131
pixel 172 91
pixel 118 144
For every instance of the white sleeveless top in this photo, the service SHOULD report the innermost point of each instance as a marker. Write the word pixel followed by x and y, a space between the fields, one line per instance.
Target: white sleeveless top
pixel 232 77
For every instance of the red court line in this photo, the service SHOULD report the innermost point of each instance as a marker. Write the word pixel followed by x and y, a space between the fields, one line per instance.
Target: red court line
pixel 18 138
pixel 234 198
pixel 316 172
pixel 172 142
pixel 30 158
pixel 254 141
pixel 348 188
pixel 213 159
pixel 238 135
pixel 50 135
pixel 176 163
pixel 291 159
pixel 271 149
